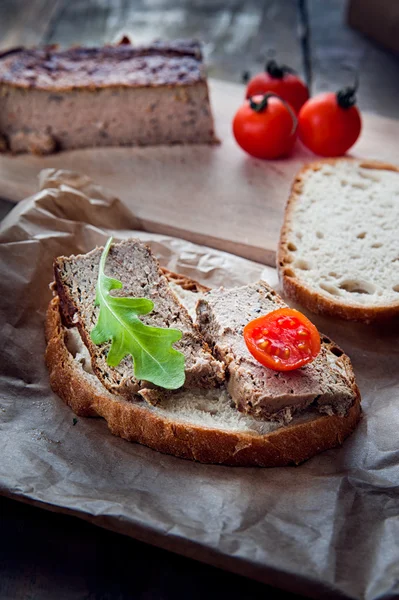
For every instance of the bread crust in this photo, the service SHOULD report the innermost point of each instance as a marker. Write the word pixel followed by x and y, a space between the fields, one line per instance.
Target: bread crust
pixel 184 282
pixel 298 291
pixel 137 422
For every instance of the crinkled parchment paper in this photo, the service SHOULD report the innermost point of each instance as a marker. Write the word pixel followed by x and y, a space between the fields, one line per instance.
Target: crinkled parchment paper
pixel 328 528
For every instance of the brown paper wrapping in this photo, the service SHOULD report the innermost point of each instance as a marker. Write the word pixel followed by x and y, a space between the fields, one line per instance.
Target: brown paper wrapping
pixel 328 528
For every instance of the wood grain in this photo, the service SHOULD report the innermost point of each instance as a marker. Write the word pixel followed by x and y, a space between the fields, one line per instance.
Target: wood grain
pixel 217 196
pixel 238 35
pixel 338 52
pixel 51 556
pixel 26 23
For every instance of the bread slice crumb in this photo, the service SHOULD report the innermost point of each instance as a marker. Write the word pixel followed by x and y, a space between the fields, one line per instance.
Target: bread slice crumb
pixel 338 252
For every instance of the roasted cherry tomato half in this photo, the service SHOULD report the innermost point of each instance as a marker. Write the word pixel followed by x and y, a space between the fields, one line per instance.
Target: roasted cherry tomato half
pixel 329 124
pixel 280 80
pixel 265 127
pixel 282 340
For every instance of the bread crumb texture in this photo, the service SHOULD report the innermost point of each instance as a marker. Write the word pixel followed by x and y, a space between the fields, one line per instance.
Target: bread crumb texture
pixel 339 240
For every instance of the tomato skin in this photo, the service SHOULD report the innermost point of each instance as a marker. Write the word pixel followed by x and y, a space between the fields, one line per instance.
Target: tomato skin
pixel 268 134
pixel 289 87
pixel 282 340
pixel 326 128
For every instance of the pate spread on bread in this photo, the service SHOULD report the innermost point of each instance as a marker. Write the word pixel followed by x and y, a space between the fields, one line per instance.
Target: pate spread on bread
pixel 134 265
pixel 327 382
pixel 284 419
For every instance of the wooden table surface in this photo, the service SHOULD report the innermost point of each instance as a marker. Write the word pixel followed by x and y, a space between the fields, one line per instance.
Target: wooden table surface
pixel 45 555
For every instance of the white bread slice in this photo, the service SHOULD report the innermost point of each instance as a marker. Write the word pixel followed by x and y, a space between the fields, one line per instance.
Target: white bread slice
pixel 197 425
pixel 339 248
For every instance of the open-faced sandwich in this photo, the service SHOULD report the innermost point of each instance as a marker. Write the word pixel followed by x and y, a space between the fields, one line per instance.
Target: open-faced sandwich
pixel 229 376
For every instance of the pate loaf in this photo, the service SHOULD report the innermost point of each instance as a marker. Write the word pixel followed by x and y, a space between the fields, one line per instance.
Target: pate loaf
pixel 121 95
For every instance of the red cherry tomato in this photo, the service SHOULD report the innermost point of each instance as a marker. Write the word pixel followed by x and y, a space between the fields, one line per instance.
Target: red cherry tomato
pixel 329 124
pixel 282 340
pixel 280 80
pixel 265 127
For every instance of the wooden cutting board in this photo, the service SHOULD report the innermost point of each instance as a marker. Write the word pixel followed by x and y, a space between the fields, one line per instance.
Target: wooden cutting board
pixel 217 196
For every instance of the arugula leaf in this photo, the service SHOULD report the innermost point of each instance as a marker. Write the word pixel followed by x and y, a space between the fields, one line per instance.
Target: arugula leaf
pixel 154 359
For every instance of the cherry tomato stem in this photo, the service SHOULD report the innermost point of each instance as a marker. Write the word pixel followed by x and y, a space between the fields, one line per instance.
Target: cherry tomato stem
pixel 347 96
pixel 260 106
pixel 278 71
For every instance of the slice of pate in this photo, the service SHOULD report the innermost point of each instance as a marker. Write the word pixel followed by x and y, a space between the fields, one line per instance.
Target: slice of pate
pixel 133 264
pixel 327 383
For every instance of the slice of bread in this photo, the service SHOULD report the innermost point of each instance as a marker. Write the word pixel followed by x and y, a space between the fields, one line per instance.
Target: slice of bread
pixel 339 252
pixel 199 425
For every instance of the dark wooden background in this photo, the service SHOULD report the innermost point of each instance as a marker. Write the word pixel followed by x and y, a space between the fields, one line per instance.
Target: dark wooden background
pixel 52 556
pixel 312 36
pixel 48 556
